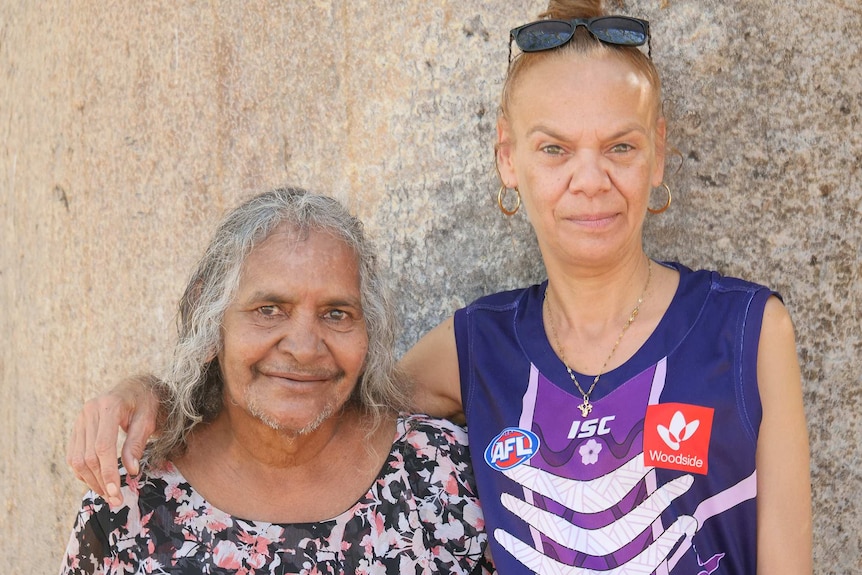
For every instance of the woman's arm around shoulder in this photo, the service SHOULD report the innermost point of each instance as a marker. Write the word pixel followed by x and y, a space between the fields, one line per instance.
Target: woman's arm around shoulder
pixel 783 475
pixel 432 366
pixel 132 406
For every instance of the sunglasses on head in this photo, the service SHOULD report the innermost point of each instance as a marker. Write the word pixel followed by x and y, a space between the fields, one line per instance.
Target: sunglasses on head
pixel 549 34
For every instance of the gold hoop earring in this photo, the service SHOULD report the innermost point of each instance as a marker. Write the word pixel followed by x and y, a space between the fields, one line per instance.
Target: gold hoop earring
pixel 664 207
pixel 504 209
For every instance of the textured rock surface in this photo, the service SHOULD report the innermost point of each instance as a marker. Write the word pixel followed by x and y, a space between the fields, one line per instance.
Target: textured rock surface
pixel 129 127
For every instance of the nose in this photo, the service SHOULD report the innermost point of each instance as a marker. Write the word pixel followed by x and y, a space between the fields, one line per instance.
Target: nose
pixel 588 174
pixel 302 337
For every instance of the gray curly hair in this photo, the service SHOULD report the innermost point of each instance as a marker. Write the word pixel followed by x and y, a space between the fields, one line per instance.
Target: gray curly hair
pixel 191 389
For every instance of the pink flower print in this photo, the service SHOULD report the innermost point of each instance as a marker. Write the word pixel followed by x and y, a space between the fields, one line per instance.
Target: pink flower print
pixel 116 564
pixel 257 547
pixel 451 485
pixel 428 513
pixel 473 516
pixel 376 568
pixel 367 543
pixel 417 544
pixel 262 545
pixel 184 513
pixel 397 461
pixel 590 452
pixel 227 556
pixel 173 492
pixel 216 521
pixel 377 538
pixel 150 565
pixel 132 483
pixel 449 531
pixel 257 560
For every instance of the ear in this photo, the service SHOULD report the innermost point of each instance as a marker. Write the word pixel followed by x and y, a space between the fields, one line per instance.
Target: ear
pixel 503 150
pixel 660 152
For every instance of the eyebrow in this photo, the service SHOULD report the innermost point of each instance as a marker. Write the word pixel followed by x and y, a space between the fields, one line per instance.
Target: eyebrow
pixel 628 129
pixel 279 299
pixel 264 296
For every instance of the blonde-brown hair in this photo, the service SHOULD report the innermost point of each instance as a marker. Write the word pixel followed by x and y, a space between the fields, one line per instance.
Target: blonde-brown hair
pixel 582 43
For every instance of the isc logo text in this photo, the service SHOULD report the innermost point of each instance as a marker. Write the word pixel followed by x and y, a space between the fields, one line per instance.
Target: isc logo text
pixel 590 427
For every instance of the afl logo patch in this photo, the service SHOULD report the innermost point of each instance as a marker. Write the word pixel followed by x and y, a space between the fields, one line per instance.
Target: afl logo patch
pixel 511 448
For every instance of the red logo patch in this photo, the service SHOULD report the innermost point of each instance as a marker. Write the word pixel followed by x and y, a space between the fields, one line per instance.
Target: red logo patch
pixel 676 436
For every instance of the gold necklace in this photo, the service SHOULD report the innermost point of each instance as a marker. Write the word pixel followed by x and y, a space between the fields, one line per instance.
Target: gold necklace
pixel 586 407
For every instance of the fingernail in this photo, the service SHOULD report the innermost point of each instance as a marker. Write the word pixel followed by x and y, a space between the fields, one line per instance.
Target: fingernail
pixel 136 466
pixel 113 492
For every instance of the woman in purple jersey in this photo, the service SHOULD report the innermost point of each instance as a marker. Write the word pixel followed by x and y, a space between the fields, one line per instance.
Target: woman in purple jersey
pixel 581 144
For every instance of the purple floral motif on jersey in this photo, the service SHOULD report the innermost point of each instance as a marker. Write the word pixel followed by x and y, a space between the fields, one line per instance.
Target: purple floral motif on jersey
pixel 590 452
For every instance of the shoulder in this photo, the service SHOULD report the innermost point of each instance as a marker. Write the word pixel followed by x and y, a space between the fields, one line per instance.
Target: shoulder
pixel 100 530
pixel 714 280
pixel 421 431
pixel 434 449
pixel 504 300
pixel 711 292
pixel 435 463
pixel 496 307
pixel 147 486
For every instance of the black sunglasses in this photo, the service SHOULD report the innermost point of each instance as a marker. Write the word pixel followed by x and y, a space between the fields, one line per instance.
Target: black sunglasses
pixel 549 34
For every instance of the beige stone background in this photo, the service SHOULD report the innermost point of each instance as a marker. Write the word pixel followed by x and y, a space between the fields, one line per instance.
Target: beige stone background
pixel 127 128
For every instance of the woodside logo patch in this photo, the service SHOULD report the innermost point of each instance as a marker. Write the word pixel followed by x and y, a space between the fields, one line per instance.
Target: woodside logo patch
pixel 676 436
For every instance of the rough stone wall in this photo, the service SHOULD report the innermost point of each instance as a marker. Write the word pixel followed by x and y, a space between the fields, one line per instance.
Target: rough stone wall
pixel 129 127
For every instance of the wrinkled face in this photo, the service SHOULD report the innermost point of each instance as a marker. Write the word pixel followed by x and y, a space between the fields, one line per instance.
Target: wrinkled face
pixel 294 336
pixel 584 146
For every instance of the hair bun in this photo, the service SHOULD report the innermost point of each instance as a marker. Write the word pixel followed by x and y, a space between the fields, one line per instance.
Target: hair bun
pixel 570 9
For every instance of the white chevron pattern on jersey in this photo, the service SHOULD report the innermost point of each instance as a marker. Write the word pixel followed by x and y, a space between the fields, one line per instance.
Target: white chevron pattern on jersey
pixel 607 539
pixel 646 562
pixel 591 496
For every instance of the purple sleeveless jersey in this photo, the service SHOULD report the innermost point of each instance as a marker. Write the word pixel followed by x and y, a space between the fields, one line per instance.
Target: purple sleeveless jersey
pixel 658 478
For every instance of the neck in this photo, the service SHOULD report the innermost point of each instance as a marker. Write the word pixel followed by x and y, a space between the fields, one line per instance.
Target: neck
pixel 592 300
pixel 253 443
pixel 314 476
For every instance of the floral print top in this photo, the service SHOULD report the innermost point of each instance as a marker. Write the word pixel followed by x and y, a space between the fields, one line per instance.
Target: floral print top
pixel 421 516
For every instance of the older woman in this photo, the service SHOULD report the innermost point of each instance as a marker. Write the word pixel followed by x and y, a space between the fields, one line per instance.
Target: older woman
pixel 282 451
pixel 626 416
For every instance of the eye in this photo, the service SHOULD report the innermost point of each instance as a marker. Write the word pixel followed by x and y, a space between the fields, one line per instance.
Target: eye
pixel 622 148
pixel 268 311
pixel 340 320
pixel 337 315
pixel 552 150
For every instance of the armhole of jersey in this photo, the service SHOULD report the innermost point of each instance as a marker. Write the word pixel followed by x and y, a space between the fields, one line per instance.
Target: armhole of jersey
pixel 461 322
pixel 748 394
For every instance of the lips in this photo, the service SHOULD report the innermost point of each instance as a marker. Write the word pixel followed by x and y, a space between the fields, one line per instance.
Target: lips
pixel 299 376
pixel 593 220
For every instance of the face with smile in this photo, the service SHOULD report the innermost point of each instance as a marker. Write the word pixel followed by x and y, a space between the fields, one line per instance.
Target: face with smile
pixel 294 338
pixel 583 144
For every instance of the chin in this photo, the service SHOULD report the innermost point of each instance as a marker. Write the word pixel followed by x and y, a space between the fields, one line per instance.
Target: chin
pixel 290 426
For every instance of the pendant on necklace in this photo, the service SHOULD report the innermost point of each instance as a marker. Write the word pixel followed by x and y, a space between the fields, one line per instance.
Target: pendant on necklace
pixel 586 407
